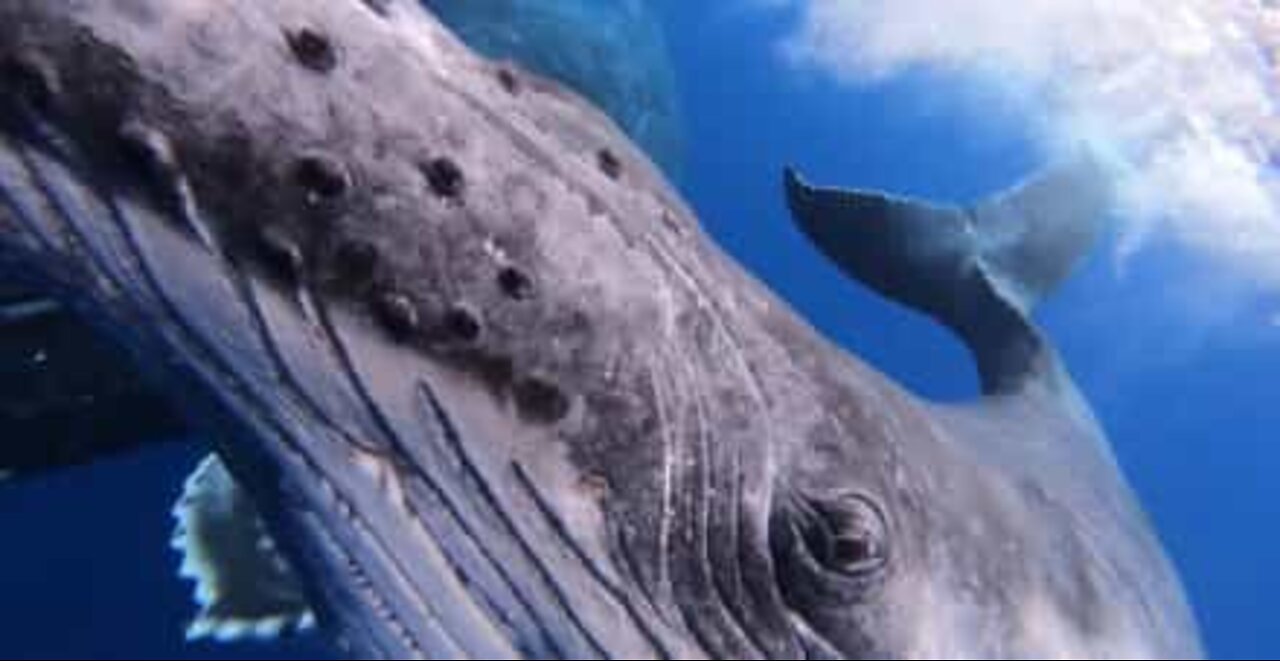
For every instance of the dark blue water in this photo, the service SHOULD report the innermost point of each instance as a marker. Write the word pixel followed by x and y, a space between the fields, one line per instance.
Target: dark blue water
pixel 1180 366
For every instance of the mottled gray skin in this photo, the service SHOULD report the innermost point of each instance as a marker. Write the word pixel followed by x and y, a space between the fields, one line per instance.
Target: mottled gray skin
pixel 613 52
pixel 59 383
pixel 496 394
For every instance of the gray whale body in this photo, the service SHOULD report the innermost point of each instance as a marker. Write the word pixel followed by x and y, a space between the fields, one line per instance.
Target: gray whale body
pixel 60 382
pixel 480 387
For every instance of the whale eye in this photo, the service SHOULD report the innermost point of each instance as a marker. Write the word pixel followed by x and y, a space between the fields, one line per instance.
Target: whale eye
pixel 850 536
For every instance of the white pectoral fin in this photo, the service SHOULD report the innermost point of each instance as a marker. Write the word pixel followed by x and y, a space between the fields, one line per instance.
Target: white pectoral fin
pixel 245 588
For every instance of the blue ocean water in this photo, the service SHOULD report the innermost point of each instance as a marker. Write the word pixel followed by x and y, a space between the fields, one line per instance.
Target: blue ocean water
pixel 1179 360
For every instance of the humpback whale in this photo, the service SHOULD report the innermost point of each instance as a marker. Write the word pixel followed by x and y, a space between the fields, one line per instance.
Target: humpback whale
pixel 480 386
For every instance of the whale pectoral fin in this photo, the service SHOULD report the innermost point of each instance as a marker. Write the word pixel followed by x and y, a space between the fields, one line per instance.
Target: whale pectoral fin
pixel 1032 237
pixel 68 397
pixel 907 250
pixel 980 271
pixel 245 588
